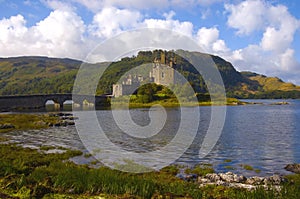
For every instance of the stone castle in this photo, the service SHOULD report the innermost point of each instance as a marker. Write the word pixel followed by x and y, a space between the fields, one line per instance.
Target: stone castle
pixel 162 72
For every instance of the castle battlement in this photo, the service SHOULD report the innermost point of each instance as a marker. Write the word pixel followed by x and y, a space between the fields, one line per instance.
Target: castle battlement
pixel 162 72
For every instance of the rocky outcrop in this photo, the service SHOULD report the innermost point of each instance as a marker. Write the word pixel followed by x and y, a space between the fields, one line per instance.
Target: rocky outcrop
pixel 295 168
pixel 7 126
pixel 230 179
pixel 65 119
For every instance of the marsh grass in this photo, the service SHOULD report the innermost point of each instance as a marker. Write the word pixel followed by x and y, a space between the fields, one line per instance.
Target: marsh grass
pixel 23 169
pixel 200 170
pixel 26 121
pixel 28 173
pixel 247 167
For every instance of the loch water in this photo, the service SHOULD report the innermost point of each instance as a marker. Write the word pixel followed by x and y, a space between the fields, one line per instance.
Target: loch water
pixel 265 136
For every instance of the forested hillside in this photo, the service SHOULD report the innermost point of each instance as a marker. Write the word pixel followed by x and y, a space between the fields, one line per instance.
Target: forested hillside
pixel 42 75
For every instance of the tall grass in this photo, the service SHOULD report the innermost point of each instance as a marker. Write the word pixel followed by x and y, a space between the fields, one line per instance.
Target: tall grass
pixel 27 173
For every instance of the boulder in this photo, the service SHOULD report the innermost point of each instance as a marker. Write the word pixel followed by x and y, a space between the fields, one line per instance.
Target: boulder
pixel 213 177
pixel 231 177
pixel 274 180
pixel 295 168
pixel 255 180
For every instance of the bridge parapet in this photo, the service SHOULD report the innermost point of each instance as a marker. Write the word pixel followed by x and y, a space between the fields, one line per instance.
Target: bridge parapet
pixel 8 103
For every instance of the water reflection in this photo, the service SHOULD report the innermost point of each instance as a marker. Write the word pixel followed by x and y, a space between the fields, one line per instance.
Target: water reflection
pixel 264 136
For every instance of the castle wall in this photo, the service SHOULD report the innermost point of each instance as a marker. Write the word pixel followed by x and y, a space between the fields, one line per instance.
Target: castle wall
pixel 163 75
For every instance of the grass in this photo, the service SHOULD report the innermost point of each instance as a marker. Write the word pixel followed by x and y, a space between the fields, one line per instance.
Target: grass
pixel 28 173
pixel 200 170
pixel 250 168
pixel 247 167
pixel 257 170
pixel 26 121
pixel 87 155
pixel 171 102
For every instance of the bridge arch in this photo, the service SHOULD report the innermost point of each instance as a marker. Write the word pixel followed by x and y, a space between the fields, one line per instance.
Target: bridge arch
pixel 8 103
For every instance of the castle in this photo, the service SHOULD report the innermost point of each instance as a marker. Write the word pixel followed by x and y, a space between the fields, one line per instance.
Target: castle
pixel 162 72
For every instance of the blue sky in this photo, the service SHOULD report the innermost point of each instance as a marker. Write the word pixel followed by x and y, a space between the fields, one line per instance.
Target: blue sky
pixel 255 35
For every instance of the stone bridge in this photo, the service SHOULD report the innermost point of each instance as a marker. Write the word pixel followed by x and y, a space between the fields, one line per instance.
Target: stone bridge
pixel 18 102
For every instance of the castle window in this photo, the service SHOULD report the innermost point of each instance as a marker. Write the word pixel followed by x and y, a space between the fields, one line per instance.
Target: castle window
pixel 162 74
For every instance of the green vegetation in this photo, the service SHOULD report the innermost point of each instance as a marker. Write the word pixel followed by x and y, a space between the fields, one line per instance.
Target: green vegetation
pixel 152 94
pixel 250 168
pixel 28 173
pixel 200 170
pixel 26 121
pixel 257 170
pixel 271 88
pixel 42 75
pixel 247 167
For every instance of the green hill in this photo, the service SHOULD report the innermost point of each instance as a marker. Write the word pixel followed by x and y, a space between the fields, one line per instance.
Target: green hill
pixel 272 87
pixel 43 75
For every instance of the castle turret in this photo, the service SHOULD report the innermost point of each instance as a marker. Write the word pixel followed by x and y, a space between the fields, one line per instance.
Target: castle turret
pixel 163 58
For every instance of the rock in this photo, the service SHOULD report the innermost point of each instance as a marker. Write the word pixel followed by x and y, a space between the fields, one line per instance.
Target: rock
pixel 222 183
pixel 203 180
pixel 243 186
pixel 70 123
pixel 274 180
pixel 227 177
pixel 239 179
pixel 255 180
pixel 7 126
pixel 295 168
pixel 213 177
pixel 231 177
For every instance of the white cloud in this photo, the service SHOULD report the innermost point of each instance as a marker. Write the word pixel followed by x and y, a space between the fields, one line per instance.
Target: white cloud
pixel 60 35
pixel 247 16
pixel 64 34
pixel 208 39
pixel 12 28
pixel 288 61
pixel 169 15
pixel 111 21
pixel 185 27
pixel 281 29
pixel 273 55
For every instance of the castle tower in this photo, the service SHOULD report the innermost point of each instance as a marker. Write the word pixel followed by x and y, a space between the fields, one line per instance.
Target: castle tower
pixel 163 58
pixel 161 73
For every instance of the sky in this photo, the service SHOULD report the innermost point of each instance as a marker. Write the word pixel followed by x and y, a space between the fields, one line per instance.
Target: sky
pixel 261 36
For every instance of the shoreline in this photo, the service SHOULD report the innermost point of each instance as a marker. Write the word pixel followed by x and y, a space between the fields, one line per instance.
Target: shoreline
pixel 42 169
pixel 133 105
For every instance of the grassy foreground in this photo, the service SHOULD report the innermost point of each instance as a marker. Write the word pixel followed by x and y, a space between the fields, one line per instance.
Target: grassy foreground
pixel 9 122
pixel 28 173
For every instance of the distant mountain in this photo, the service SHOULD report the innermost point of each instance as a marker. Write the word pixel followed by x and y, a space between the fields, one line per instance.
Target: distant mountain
pixel 271 83
pixel 272 87
pixel 42 75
